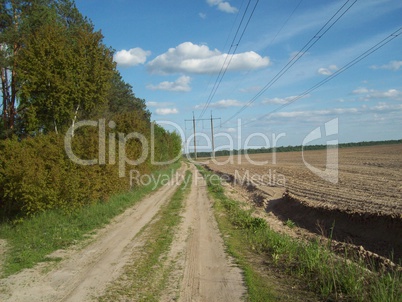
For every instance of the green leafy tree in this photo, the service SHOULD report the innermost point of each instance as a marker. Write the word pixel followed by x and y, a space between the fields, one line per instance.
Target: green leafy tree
pixel 122 98
pixel 54 65
pixel 65 73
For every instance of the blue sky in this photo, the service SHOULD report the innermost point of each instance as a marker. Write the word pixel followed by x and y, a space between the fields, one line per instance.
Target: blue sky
pixel 171 52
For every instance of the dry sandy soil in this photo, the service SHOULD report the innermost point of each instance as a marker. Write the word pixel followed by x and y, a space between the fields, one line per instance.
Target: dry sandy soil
pixel 204 272
pixel 364 207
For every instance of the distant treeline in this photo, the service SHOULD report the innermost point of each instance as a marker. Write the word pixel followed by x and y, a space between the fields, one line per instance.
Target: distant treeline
pixel 293 148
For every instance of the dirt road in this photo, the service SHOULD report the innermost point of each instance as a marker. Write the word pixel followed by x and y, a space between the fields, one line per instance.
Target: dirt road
pixel 206 273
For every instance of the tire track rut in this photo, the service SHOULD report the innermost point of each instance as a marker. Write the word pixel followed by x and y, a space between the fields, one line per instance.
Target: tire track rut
pixel 209 274
pixel 84 273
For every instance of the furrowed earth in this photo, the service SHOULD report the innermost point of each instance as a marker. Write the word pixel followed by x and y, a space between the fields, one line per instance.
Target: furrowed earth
pixel 361 205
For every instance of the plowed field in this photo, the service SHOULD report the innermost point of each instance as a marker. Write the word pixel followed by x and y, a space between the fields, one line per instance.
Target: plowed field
pixel 364 206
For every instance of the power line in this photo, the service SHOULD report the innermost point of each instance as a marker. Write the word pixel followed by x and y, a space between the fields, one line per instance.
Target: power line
pixel 323 30
pixel 274 38
pixel 365 54
pixel 223 69
pixel 227 40
pixel 194 120
pixel 220 75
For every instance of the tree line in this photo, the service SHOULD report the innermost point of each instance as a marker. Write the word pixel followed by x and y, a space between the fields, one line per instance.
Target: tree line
pixel 55 72
pixel 293 148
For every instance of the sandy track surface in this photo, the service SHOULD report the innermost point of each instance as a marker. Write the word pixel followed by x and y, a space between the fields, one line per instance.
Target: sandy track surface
pixel 203 271
pixel 84 273
pixel 207 273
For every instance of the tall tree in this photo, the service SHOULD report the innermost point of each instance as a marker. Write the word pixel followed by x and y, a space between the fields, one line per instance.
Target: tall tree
pixel 64 69
pixel 11 22
pixel 54 65
pixel 121 98
pixel 17 20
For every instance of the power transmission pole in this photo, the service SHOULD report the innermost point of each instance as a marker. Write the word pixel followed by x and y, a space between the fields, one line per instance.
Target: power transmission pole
pixel 194 120
pixel 195 144
pixel 212 137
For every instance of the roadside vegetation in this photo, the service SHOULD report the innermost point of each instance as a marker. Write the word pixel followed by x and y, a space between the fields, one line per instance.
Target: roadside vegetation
pixel 55 73
pixel 32 239
pixel 318 270
pixel 146 277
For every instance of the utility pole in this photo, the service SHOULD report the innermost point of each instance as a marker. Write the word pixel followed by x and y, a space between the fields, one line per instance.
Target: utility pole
pixel 212 137
pixel 195 144
pixel 194 120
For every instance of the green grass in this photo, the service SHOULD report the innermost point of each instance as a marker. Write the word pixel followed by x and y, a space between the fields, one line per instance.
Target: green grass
pixel 146 277
pixel 331 277
pixel 31 240
pixel 258 288
pixel 290 224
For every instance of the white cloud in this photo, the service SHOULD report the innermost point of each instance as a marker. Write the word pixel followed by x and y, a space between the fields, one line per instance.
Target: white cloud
pixel 158 104
pixel 199 59
pixel 281 101
pixel 392 94
pixel 380 109
pixel 222 104
pixel 385 107
pixel 327 71
pixel 180 85
pixel 315 113
pixel 223 6
pixel 202 15
pixel 360 90
pixel 166 111
pixel 393 65
pixel 389 94
pixel 131 57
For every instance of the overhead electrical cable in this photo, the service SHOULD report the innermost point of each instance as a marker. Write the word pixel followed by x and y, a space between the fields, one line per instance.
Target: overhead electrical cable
pixel 223 69
pixel 229 56
pixel 227 39
pixel 274 38
pixel 368 52
pixel 323 30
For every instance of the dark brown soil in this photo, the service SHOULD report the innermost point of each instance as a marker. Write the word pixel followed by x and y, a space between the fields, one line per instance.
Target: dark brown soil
pixel 364 208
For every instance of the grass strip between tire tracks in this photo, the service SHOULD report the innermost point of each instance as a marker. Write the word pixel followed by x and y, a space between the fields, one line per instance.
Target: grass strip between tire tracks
pixel 331 277
pixel 146 277
pixel 31 240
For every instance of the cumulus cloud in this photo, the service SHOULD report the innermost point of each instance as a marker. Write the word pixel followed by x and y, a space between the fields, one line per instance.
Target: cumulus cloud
pixel 392 94
pixel 379 109
pixel 313 113
pixel 180 85
pixel 131 57
pixel 327 70
pixel 158 104
pixel 223 6
pixel 281 101
pixel 202 15
pixel 360 90
pixel 166 111
pixel 393 65
pixel 199 59
pixel 222 104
